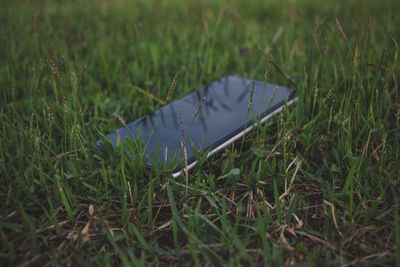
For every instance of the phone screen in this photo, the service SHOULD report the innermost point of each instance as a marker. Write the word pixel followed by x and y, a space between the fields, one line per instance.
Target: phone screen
pixel 205 119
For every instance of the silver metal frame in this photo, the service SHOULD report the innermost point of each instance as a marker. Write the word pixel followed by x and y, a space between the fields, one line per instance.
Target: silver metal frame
pixel 236 137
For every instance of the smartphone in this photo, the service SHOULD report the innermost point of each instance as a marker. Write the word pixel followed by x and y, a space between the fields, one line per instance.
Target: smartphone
pixel 206 120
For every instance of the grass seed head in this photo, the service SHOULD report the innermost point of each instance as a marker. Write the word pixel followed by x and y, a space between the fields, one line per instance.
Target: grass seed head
pixel 119 119
pixel 54 69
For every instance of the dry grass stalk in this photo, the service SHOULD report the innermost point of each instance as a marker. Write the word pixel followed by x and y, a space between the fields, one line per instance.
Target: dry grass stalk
pixel 41 76
pixel 250 101
pixel 333 216
pixel 183 145
pixel 268 67
pixel 318 240
pixel 54 68
pixel 172 87
pixel 119 119
pixel 341 31
pixel 199 107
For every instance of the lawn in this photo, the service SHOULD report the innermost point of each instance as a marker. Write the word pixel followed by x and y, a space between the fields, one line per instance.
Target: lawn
pixel 317 185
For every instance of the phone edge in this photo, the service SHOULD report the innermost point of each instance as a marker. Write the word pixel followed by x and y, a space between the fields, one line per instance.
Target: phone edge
pixel 236 137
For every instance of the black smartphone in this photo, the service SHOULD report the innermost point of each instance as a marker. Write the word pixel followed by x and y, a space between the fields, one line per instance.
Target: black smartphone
pixel 208 119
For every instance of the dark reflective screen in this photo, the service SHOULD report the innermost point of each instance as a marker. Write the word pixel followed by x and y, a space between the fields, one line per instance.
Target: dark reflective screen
pixel 207 117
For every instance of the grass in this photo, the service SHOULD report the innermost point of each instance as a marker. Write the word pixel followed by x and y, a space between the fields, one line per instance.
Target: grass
pixel 318 185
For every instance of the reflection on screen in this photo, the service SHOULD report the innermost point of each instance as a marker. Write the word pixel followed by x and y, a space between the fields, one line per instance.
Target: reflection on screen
pixel 206 118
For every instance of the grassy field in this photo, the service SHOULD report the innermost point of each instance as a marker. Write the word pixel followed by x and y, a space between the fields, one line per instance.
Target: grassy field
pixel 317 185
